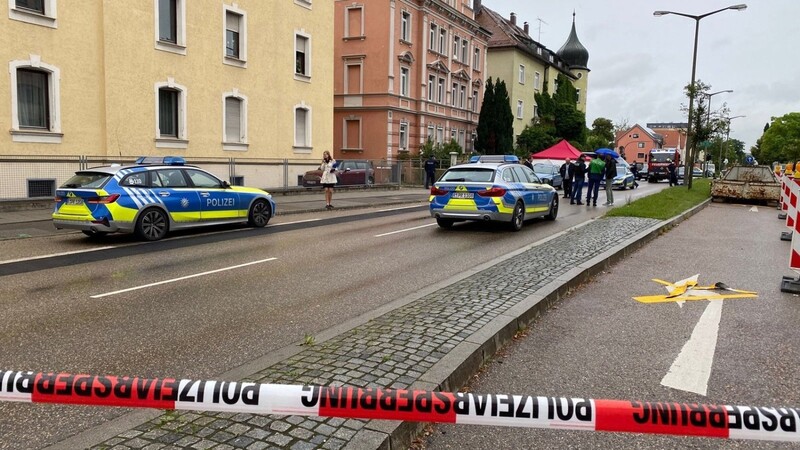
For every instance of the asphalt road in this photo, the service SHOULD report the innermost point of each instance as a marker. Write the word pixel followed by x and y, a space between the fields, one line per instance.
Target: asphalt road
pixel 201 303
pixel 599 343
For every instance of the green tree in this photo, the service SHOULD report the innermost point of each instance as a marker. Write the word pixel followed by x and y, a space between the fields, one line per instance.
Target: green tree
pixel 486 138
pixel 505 135
pixel 781 141
pixel 495 123
pixel 546 106
pixel 535 138
pixel 570 123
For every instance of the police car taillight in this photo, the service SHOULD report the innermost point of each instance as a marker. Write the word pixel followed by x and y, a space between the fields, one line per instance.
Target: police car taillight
pixel 103 200
pixel 492 192
pixel 437 191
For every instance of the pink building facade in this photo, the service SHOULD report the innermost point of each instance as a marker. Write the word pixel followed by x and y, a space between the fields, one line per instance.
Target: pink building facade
pixel 405 71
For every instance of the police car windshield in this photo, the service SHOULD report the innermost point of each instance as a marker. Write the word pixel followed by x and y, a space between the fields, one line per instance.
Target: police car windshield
pixel 468 175
pixel 91 180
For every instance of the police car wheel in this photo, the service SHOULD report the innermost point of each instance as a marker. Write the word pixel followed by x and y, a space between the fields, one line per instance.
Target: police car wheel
pixel 445 223
pixel 517 217
pixel 94 234
pixel 553 209
pixel 152 225
pixel 259 214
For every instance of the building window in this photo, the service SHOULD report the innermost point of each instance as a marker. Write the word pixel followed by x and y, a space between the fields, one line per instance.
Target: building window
pixel 641 144
pixel 456 46
pixel 519 109
pixel 464 51
pixel 404 81
pixel 640 156
pixel 36 12
pixel 535 110
pixel 353 80
pixel 476 59
pixel 439 135
pixel 635 135
pixel 403 136
pixel 577 95
pixel 235 115
pixel 405 26
pixel 35 104
pixel 170 26
pixel 235 34
pixel 521 74
pixel 443 41
pixel 302 53
pixel 440 98
pixel 453 95
pixel 171 115
pixel 430 133
pixel 432 38
pixel 431 87
pixel 536 80
pixel 352 134
pixel 168 112
pixel 462 94
pixel 33 99
pixel 354 22
pixel 302 127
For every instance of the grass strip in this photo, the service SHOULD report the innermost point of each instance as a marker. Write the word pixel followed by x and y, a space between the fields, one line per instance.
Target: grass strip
pixel 667 203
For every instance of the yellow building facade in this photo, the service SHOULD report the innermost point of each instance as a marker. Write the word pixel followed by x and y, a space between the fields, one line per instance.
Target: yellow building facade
pixel 200 78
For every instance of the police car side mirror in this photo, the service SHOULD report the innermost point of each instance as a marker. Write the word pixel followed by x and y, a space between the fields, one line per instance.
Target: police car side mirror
pixel 226 185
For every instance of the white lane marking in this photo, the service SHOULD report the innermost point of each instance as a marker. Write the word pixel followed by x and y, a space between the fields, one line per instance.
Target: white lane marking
pixel 182 278
pixel 692 367
pixel 400 207
pixel 53 255
pixel 754 209
pixel 406 229
pixel 296 221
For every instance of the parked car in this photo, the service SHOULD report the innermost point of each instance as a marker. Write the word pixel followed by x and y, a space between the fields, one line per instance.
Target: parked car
pixel 348 172
pixel 642 174
pixel 549 174
pixel 155 196
pixel 500 192
pixel 681 172
pixel 623 180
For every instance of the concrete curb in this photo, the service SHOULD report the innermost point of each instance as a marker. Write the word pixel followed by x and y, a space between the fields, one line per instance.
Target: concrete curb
pixel 458 366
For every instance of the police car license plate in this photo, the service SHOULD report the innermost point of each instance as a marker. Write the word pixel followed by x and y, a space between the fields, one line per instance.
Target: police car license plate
pixel 74 201
pixel 462 195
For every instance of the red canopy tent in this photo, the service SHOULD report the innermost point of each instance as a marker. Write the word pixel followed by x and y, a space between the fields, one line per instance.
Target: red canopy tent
pixel 562 150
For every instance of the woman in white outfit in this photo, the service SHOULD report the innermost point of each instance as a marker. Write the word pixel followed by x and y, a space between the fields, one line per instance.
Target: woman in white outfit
pixel 328 178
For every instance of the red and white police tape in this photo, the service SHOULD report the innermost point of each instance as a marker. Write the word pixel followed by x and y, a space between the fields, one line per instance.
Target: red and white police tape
pixel 683 419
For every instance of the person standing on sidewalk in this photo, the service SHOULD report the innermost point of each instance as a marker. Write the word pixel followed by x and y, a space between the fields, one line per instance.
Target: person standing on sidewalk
pixel 596 173
pixel 430 171
pixel 611 173
pixel 565 176
pixel 578 175
pixel 673 176
pixel 328 177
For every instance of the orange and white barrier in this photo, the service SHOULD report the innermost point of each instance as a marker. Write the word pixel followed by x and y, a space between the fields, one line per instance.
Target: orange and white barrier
pixel 682 419
pixel 784 201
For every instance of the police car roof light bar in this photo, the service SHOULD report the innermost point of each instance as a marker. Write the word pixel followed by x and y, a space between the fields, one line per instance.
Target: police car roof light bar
pixel 166 160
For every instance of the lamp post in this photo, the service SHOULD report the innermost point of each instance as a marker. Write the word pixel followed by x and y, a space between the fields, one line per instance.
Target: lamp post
pixel 690 150
pixel 708 122
pixel 727 137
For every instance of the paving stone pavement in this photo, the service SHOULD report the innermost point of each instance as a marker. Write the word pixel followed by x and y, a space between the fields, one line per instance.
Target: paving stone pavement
pixel 390 351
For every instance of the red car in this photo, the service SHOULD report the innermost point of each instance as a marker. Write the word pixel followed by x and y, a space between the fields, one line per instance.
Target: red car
pixel 348 172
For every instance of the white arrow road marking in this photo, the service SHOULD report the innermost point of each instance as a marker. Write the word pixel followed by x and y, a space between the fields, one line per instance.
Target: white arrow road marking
pixel 182 278
pixel 692 367
pixel 754 209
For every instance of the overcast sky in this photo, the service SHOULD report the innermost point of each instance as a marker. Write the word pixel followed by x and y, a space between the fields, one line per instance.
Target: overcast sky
pixel 640 63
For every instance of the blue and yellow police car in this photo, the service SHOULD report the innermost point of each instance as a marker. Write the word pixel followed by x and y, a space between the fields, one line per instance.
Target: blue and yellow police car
pixel 503 192
pixel 153 197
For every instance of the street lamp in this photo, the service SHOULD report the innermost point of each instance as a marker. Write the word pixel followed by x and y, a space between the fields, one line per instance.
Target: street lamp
pixel 727 137
pixel 690 149
pixel 708 122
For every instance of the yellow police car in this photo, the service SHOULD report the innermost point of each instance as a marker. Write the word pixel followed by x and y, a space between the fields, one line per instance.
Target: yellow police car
pixel 153 197
pixel 503 192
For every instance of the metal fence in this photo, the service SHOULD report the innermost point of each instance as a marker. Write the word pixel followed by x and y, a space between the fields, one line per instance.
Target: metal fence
pixel 39 176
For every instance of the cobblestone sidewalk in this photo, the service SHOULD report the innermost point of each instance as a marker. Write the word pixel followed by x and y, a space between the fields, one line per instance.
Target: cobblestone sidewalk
pixel 391 351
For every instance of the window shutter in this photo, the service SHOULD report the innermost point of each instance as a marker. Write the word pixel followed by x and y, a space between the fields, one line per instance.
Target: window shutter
pixel 232 21
pixel 233 120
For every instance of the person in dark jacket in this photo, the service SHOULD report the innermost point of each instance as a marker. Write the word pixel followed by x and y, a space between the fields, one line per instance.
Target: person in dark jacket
pixel 430 171
pixel 635 172
pixel 566 176
pixel 673 175
pixel 610 173
pixel 579 175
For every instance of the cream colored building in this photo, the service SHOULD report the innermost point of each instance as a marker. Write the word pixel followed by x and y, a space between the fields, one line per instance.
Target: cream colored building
pixel 199 78
pixel 525 65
